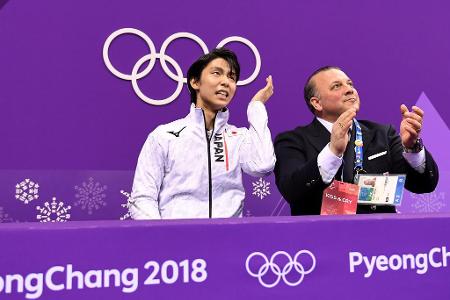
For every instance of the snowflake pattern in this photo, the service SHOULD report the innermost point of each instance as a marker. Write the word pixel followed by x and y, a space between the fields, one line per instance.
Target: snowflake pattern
pixel 428 203
pixel 4 217
pixel 27 191
pixel 91 195
pixel 261 188
pixel 126 205
pixel 53 212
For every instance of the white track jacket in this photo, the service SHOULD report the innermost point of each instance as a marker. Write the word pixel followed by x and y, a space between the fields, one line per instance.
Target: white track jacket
pixel 182 173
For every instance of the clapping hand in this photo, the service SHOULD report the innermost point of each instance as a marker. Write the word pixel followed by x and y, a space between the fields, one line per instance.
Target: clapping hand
pixel 411 125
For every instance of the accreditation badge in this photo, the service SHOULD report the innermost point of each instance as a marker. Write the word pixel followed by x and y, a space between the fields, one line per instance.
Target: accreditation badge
pixel 378 189
pixel 340 198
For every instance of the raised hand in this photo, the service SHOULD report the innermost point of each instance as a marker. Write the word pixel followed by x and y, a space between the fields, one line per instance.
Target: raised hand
pixel 266 92
pixel 339 132
pixel 411 125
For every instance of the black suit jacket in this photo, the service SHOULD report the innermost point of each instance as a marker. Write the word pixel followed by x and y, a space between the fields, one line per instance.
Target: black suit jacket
pixel 297 174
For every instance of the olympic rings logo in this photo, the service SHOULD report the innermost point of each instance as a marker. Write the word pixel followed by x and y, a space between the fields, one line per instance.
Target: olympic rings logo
pixel 164 59
pixel 293 264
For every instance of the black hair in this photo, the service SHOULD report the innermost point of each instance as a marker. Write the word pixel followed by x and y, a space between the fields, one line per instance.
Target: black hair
pixel 309 90
pixel 195 70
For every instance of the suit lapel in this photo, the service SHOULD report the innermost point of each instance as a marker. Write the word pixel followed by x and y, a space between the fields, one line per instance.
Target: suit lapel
pixel 368 136
pixel 349 157
pixel 318 135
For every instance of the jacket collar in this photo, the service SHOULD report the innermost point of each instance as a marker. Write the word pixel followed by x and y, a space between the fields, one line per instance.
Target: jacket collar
pixel 196 116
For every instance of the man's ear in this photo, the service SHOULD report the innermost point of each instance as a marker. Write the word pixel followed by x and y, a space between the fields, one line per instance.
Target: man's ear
pixel 315 102
pixel 194 84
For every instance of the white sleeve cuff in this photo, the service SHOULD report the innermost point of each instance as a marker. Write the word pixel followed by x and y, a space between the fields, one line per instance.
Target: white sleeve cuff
pixel 416 160
pixel 328 164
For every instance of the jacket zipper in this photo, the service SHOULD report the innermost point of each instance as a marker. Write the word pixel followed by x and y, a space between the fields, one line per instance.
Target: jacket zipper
pixel 208 143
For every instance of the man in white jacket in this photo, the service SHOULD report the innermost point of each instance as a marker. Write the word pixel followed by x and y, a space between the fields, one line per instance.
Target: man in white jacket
pixel 192 167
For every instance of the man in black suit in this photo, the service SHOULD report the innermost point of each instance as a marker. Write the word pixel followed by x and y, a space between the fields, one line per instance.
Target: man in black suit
pixel 310 157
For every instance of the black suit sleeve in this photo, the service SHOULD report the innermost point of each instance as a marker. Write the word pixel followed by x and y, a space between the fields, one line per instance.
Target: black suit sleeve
pixel 297 174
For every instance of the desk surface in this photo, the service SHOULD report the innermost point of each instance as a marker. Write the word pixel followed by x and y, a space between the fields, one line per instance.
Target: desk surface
pixel 317 257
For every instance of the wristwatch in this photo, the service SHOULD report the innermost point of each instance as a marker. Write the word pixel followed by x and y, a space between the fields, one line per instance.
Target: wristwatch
pixel 416 148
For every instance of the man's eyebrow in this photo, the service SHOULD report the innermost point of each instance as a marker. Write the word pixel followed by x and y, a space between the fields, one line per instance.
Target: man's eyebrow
pixel 334 82
pixel 217 68
pixel 231 72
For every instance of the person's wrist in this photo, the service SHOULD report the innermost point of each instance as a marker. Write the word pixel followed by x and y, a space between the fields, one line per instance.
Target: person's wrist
pixel 415 148
pixel 334 150
pixel 260 100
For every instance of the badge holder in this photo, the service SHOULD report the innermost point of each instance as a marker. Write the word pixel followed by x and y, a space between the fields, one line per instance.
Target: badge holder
pixel 376 189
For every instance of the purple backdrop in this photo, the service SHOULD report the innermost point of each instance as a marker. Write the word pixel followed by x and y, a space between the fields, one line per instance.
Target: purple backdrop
pixel 71 130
